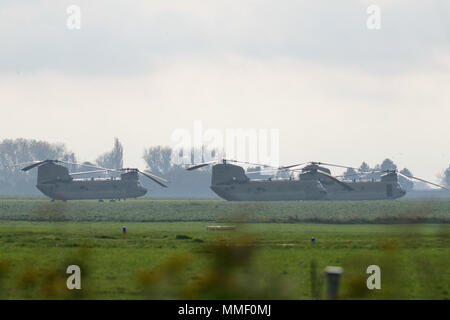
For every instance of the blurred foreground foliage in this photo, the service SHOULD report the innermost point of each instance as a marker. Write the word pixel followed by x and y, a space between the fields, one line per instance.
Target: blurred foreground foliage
pixel 168 260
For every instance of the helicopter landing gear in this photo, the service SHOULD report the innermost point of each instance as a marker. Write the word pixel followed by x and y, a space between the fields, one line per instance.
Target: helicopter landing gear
pixel 100 200
pixel 112 200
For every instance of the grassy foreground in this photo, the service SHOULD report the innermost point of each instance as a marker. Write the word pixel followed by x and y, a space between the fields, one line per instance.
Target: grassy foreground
pixel 168 254
pixel 182 260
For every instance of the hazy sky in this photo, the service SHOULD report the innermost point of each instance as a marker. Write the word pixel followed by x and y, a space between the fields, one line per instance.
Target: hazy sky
pixel 138 70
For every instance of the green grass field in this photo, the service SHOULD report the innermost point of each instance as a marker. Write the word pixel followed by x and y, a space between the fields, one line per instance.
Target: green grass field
pixel 168 254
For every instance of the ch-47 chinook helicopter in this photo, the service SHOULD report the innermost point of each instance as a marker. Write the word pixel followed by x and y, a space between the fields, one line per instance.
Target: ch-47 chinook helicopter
pixel 314 182
pixel 230 182
pixel 55 181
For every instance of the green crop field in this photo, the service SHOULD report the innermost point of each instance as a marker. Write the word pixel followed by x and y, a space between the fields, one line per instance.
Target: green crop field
pixel 167 253
pixel 160 210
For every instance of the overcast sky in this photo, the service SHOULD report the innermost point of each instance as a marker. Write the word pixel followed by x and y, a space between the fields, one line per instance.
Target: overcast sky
pixel 138 70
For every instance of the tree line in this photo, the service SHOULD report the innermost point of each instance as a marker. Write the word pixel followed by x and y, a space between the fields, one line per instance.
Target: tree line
pixel 380 169
pixel 158 159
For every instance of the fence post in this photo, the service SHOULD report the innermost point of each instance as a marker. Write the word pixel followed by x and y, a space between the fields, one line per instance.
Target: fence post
pixel 333 277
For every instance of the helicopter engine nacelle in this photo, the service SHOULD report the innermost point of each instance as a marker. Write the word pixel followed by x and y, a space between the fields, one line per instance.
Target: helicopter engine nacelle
pixel 130 175
pixel 227 173
pixel 389 177
pixel 50 172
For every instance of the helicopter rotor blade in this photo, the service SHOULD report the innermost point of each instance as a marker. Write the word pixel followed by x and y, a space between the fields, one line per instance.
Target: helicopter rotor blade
pixel 40 162
pixel 333 165
pixel 293 166
pixel 280 169
pixel 89 172
pixel 362 172
pixel 153 175
pixel 355 174
pixel 84 165
pixel 35 165
pixel 23 163
pixel 200 165
pixel 343 184
pixel 411 177
pixel 251 163
pixel 153 179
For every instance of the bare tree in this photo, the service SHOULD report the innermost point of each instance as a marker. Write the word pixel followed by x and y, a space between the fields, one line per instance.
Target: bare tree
pixel 112 159
pixel 388 164
pixel 15 181
pixel 364 167
pixel 158 159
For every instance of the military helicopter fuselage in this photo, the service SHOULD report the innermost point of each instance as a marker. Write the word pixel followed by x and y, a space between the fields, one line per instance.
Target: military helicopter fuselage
pixel 387 187
pixel 314 183
pixel 56 183
pixel 230 183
